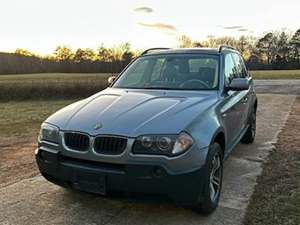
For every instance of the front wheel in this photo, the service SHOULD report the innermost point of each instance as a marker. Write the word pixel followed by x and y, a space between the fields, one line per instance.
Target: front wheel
pixel 212 181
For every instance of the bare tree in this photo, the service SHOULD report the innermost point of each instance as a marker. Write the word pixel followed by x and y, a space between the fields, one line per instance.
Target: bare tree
pixel 295 44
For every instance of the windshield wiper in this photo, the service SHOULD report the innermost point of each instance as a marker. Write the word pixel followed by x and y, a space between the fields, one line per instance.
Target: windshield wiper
pixel 157 87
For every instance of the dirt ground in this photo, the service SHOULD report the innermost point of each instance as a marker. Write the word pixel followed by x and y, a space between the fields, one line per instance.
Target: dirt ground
pixel 276 199
pixel 27 198
pixel 17 161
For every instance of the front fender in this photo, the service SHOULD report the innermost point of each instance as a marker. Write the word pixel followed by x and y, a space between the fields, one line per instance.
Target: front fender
pixel 205 128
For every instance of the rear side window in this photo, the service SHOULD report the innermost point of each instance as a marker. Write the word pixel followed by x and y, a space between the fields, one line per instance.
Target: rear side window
pixel 230 69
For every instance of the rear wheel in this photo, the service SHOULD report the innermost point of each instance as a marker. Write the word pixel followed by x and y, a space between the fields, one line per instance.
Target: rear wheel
pixel 212 181
pixel 249 136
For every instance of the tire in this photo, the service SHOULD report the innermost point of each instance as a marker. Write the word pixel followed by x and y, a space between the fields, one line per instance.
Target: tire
pixel 212 184
pixel 249 136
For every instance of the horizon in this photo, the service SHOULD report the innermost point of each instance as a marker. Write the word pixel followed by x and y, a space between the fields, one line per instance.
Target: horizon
pixel 40 27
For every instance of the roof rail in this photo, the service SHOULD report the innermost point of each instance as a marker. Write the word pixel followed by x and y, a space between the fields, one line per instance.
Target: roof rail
pixel 153 49
pixel 221 47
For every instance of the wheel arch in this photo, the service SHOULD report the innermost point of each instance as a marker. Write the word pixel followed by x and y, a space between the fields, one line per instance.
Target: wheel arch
pixel 220 138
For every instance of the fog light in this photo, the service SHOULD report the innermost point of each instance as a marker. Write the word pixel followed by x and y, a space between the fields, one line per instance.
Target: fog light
pixel 43 155
pixel 158 172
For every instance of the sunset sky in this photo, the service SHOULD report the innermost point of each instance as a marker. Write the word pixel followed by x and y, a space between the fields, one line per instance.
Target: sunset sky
pixel 41 25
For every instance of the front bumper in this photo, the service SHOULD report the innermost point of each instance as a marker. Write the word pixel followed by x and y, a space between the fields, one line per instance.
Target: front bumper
pixel 100 177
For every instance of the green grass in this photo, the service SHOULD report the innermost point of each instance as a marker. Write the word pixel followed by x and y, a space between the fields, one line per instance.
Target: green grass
pixel 23 118
pixel 276 74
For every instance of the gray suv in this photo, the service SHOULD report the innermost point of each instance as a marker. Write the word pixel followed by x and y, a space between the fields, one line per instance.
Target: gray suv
pixel 163 126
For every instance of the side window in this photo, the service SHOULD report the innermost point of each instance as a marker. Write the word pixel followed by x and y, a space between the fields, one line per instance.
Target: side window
pixel 240 66
pixel 230 69
pixel 245 72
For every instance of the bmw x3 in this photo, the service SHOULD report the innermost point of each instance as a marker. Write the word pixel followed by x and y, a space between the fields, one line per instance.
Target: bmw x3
pixel 164 126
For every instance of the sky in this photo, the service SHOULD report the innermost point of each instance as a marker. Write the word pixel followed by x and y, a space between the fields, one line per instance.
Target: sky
pixel 41 25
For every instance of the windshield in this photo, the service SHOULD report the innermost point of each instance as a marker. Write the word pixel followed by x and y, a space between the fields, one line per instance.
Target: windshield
pixel 184 71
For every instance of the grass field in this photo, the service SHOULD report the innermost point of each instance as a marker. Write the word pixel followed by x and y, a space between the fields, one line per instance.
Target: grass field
pixel 59 77
pixel 68 86
pixel 276 74
pixel 50 86
pixel 24 118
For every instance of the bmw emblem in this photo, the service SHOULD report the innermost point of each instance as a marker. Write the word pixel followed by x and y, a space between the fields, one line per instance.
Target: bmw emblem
pixel 98 126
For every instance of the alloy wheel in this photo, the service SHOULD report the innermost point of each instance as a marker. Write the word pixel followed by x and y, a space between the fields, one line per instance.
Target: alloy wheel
pixel 215 177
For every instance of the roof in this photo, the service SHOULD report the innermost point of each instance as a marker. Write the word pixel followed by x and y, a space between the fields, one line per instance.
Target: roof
pixel 185 51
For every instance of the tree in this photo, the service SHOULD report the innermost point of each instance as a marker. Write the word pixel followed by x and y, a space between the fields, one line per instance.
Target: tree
pixel 295 44
pixel 267 47
pixel 283 47
pixel 215 42
pixel 246 45
pixel 24 52
pixel 120 52
pixel 185 42
pixel 127 53
pixel 85 55
pixel 63 53
pixel 104 54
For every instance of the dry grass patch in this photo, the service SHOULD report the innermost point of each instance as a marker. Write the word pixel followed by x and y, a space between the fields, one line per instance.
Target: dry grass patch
pixel 18 119
pixel 50 86
pixel 276 199
pixel 276 74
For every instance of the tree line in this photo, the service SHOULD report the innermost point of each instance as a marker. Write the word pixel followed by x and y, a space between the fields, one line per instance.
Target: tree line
pixel 275 50
pixel 64 60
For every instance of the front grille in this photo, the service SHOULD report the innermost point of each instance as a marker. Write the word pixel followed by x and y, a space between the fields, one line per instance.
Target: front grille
pixel 110 145
pixel 77 141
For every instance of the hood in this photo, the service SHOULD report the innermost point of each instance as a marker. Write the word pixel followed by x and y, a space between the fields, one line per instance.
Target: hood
pixel 134 112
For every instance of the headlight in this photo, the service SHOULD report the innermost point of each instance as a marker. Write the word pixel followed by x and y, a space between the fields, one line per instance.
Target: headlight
pixel 169 145
pixel 49 133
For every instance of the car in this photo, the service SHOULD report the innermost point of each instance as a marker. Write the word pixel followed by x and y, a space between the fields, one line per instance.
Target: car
pixel 164 126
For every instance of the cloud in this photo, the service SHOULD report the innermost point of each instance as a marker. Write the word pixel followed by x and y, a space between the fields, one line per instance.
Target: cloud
pixel 233 27
pixel 144 9
pixel 236 27
pixel 159 26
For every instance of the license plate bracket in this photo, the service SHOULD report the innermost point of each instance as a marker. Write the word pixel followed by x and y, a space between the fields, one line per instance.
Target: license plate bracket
pixel 90 182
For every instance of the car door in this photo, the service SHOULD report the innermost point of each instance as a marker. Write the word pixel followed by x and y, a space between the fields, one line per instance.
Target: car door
pixel 231 105
pixel 244 95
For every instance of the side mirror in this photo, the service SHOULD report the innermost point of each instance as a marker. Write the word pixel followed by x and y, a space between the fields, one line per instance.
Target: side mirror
pixel 111 79
pixel 239 84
